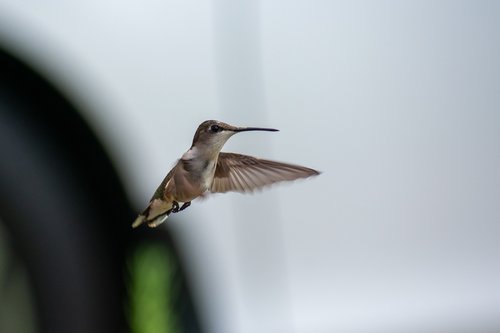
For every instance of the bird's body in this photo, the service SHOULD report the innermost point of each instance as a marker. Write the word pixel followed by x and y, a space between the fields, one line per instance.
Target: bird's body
pixel 204 168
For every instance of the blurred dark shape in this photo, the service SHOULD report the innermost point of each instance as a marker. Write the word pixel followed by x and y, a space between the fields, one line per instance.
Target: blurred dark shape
pixel 64 208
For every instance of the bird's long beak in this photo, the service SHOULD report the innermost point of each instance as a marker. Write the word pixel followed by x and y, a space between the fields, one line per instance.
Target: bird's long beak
pixel 245 129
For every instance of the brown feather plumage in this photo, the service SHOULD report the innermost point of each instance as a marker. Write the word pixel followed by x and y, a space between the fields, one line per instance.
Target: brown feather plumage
pixel 242 173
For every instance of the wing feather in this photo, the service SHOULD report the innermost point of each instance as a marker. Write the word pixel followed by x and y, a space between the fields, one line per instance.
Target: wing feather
pixel 242 173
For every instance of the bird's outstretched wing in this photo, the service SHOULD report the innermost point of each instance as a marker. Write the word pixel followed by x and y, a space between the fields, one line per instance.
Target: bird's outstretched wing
pixel 242 173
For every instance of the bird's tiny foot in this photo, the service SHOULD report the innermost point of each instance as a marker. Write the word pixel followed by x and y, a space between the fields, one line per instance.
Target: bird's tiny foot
pixel 175 207
pixel 185 205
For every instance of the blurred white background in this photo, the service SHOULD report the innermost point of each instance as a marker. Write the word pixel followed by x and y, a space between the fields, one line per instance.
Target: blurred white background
pixel 397 103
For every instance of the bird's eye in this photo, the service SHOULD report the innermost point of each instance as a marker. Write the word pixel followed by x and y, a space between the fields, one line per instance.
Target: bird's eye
pixel 215 128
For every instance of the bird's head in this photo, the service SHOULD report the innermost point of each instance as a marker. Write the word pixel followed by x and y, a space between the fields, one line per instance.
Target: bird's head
pixel 212 134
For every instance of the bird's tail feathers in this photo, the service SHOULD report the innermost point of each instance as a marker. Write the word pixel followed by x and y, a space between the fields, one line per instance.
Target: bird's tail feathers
pixel 153 223
pixel 155 214
pixel 158 220
pixel 138 221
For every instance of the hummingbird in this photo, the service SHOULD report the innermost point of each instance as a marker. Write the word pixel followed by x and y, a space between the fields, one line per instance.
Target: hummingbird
pixel 204 168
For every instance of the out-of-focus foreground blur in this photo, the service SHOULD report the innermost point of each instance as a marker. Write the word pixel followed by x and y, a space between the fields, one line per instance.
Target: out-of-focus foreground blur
pixel 397 103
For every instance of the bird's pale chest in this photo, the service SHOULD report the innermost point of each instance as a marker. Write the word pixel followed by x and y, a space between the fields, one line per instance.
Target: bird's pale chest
pixel 202 172
pixel 200 169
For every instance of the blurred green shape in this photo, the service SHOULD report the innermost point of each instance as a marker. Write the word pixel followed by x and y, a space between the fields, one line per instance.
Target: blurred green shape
pixel 151 290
